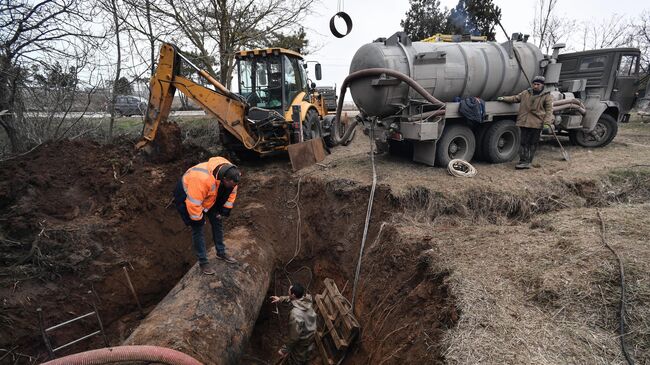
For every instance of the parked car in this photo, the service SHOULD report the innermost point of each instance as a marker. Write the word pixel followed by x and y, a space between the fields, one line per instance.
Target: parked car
pixel 129 105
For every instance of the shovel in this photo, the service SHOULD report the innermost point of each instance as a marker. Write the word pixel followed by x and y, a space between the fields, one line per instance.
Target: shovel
pixel 565 154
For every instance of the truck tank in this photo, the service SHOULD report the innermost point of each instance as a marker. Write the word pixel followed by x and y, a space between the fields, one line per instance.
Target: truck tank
pixel 446 70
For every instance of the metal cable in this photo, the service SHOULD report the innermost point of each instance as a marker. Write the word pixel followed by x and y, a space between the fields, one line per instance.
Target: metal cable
pixel 621 327
pixel 368 213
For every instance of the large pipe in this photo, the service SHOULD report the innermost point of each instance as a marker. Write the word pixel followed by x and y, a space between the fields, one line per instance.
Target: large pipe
pixel 212 317
pixel 111 355
pixel 368 73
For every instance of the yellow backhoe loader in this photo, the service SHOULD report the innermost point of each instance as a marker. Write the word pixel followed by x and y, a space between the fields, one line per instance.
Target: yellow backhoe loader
pixel 276 108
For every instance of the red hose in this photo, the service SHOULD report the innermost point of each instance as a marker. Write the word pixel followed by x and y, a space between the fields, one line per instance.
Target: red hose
pixel 126 353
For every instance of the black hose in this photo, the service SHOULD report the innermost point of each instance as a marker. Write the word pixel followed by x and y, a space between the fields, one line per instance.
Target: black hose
pixel 367 73
pixel 621 327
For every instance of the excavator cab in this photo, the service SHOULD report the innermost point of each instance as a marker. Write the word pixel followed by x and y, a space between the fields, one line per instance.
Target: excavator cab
pixel 272 78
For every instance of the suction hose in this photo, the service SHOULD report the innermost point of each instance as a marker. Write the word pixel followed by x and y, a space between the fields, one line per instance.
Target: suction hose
pixel 335 134
pixel 126 353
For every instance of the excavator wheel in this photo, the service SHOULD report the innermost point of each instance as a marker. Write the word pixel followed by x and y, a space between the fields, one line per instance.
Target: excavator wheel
pixel 312 126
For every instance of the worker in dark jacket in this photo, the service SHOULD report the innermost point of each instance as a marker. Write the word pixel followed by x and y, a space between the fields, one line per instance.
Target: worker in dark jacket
pixel 208 189
pixel 302 326
pixel 535 110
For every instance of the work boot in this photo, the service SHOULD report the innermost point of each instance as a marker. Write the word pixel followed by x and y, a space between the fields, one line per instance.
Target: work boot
pixel 524 152
pixel 206 269
pixel 226 258
pixel 531 155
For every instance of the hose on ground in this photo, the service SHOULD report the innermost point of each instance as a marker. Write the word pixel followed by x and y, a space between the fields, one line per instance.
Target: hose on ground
pixel 110 355
pixel 461 168
pixel 337 139
pixel 368 214
pixel 621 326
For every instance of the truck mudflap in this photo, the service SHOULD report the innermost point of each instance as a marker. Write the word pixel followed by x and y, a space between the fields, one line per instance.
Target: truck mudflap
pixel 595 108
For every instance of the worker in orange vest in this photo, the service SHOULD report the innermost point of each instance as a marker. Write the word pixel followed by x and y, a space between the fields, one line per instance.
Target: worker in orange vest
pixel 208 189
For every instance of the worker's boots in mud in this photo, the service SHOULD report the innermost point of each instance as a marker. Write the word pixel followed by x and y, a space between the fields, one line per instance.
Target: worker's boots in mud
pixel 525 158
pixel 226 258
pixel 206 269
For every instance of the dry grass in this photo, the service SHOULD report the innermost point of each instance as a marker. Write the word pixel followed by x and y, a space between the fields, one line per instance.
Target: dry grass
pixel 545 296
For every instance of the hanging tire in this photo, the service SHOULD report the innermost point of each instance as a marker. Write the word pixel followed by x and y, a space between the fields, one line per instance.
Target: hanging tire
pixel 501 141
pixel 603 133
pixel 311 127
pixel 457 142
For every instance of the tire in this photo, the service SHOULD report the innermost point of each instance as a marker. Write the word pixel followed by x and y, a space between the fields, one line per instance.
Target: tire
pixel 457 141
pixel 311 127
pixel 603 133
pixel 501 142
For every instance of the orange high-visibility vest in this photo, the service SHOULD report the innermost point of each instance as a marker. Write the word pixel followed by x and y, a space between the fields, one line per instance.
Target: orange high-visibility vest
pixel 202 187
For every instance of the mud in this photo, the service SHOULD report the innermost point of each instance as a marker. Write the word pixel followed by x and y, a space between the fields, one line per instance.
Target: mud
pixel 72 214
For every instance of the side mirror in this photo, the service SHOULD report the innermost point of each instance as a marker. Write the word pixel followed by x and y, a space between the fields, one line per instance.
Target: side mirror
pixel 313 85
pixel 319 72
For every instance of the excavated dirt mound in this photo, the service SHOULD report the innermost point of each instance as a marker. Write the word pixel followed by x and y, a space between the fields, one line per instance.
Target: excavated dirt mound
pixel 72 214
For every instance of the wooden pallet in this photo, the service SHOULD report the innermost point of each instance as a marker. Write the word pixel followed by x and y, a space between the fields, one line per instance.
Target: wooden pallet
pixel 337 326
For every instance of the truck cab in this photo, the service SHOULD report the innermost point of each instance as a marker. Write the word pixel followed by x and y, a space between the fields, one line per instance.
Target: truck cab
pixel 611 75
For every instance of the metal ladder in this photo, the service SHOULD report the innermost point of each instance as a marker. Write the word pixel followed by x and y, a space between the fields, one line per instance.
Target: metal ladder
pixel 45 331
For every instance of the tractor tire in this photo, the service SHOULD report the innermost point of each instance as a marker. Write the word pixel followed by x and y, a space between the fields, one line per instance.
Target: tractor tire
pixel 457 141
pixel 603 133
pixel 501 142
pixel 311 127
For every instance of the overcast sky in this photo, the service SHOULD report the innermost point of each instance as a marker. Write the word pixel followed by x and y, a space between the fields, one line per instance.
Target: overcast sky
pixel 381 18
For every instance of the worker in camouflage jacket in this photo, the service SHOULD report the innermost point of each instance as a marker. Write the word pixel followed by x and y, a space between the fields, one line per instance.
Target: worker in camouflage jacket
pixel 535 110
pixel 302 326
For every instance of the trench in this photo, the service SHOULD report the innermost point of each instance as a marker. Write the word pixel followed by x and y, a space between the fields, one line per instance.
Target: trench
pixel 405 305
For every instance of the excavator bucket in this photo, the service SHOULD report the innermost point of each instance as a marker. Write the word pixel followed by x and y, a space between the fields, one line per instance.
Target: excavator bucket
pixel 306 153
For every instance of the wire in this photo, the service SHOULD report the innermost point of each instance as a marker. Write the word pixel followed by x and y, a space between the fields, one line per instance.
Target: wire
pixel 461 168
pixel 368 213
pixel 621 327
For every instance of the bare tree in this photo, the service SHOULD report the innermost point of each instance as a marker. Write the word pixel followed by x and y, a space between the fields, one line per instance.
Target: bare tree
pixel 642 40
pixel 28 32
pixel 609 33
pixel 548 28
pixel 226 26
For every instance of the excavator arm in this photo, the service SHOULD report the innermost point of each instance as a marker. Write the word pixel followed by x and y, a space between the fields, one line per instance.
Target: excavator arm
pixel 225 106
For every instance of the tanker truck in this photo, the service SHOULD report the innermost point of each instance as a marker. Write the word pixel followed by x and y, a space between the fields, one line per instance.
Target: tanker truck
pixel 411 93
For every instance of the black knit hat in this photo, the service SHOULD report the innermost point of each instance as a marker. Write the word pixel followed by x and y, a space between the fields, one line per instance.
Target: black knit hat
pixel 540 79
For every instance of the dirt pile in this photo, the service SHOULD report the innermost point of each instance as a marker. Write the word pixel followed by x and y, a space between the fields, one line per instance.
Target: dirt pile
pixel 71 215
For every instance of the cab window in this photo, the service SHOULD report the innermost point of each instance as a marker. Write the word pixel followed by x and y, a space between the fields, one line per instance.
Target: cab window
pixel 295 78
pixel 590 63
pixel 627 65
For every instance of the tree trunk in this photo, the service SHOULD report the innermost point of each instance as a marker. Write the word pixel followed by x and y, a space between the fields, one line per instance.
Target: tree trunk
pixel 117 71
pixel 212 317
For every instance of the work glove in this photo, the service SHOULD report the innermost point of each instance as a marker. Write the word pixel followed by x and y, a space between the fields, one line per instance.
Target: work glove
pixel 500 98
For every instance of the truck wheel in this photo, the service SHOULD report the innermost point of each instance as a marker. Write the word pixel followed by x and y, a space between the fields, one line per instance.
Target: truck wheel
pixel 311 128
pixel 501 142
pixel 604 132
pixel 457 141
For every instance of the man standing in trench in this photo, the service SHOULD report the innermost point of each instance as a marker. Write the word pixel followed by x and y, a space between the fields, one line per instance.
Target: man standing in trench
pixel 302 326
pixel 535 110
pixel 208 189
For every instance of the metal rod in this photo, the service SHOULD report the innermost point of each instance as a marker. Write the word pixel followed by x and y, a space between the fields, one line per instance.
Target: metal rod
pixel 69 321
pixel 99 320
pixel 77 340
pixel 45 338
pixel 135 296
